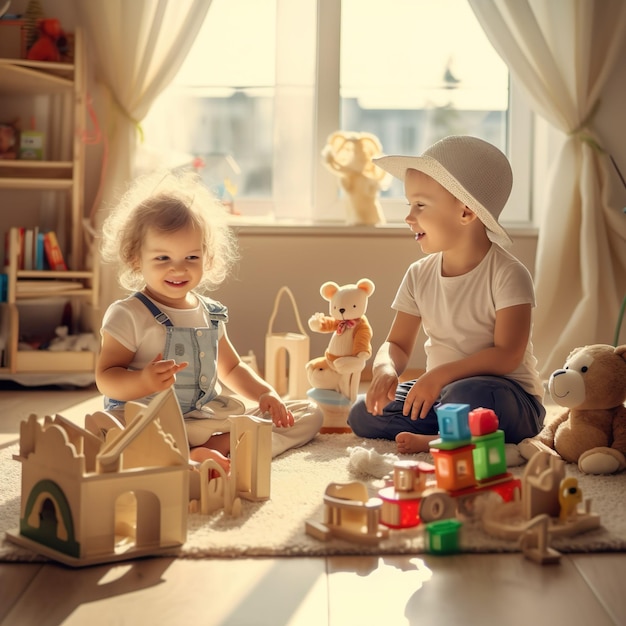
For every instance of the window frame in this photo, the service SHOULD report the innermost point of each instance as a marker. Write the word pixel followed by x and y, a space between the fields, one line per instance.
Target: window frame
pixel 308 194
pixel 518 210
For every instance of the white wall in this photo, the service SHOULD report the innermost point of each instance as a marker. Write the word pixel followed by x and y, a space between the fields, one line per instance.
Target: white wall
pixel 303 259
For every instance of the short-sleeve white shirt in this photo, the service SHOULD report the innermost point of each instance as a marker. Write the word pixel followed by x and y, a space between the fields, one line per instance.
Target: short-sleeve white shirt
pixel 458 313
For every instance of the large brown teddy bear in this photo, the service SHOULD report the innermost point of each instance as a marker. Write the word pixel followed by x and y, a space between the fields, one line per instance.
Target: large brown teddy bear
pixel 592 432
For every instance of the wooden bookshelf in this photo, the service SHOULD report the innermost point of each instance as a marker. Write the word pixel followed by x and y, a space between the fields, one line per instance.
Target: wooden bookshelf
pixel 60 88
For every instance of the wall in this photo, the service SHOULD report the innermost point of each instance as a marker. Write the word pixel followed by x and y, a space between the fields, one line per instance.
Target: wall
pixel 300 259
pixel 303 259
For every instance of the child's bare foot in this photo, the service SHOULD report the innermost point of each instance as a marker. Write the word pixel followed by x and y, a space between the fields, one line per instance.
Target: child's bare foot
pixel 219 442
pixel 201 454
pixel 411 443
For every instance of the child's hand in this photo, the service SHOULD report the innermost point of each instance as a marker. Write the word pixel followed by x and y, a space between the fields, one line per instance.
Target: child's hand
pixel 270 402
pixel 382 390
pixel 422 395
pixel 160 374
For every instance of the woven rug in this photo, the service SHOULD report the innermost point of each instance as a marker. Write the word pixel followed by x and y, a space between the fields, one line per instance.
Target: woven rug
pixel 299 477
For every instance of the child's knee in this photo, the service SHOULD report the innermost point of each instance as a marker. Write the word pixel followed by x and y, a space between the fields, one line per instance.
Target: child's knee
pixel 476 393
pixel 358 418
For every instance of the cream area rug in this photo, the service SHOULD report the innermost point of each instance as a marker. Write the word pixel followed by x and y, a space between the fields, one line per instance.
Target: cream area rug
pixel 299 477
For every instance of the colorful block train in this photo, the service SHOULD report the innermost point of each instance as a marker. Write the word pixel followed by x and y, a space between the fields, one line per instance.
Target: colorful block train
pixel 468 460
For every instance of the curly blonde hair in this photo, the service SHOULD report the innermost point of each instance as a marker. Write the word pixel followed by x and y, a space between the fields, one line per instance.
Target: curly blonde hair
pixel 167 202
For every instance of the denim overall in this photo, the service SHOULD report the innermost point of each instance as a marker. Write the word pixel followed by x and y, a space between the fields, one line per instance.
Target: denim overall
pixel 195 385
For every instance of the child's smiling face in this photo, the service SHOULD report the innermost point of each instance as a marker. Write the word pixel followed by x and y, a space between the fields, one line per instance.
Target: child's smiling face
pixel 435 215
pixel 172 265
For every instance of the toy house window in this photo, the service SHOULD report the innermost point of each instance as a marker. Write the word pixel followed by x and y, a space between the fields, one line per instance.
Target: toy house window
pixel 494 456
pixel 267 81
pixel 462 468
pixel 444 467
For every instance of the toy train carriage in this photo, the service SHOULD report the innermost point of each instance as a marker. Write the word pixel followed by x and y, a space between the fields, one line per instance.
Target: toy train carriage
pixel 469 460
pixel 412 499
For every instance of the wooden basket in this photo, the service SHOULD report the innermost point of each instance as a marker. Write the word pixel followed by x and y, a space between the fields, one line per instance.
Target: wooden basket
pixel 287 376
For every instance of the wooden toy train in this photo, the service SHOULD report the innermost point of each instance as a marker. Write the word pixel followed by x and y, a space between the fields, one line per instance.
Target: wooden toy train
pixel 469 460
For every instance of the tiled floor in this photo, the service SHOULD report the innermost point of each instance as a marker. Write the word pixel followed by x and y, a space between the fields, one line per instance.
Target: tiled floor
pixel 339 591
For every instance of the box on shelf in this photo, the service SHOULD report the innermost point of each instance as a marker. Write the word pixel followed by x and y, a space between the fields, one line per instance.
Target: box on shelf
pixel 32 145
pixel 12 39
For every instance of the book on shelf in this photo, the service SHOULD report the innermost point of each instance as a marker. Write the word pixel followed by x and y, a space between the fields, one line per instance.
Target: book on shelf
pixel 40 253
pixel 35 250
pixel 29 249
pixel 54 256
pixel 14 234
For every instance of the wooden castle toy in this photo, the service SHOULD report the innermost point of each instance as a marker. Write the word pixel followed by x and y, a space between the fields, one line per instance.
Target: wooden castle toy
pixel 124 492
pixel 86 502
pixel 551 505
pixel 249 476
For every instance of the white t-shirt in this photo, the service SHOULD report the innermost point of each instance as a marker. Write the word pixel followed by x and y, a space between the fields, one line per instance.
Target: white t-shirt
pixel 130 322
pixel 458 313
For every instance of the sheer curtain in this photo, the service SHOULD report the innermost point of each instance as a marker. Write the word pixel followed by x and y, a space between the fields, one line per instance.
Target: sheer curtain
pixel 138 46
pixel 562 52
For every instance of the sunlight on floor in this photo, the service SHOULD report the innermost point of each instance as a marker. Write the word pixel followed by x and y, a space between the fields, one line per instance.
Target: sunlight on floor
pixel 373 576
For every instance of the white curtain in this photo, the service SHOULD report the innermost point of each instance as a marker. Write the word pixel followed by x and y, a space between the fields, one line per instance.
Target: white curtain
pixel 137 46
pixel 562 52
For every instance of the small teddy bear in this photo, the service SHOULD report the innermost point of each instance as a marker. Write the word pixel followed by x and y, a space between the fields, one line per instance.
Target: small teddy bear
pixel 349 156
pixel 350 343
pixel 592 432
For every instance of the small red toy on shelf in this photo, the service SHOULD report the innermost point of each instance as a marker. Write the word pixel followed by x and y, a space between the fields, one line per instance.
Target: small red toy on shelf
pixel 49 43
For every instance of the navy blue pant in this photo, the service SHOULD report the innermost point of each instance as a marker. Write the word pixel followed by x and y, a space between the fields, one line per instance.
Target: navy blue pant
pixel 520 414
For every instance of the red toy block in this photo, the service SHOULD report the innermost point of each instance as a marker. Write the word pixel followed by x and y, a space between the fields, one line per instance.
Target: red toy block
pixel 482 422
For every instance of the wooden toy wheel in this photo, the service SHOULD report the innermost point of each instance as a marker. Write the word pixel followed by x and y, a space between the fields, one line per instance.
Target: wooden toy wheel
pixel 437 505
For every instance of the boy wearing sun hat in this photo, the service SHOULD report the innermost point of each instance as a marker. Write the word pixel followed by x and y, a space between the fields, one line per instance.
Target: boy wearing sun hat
pixel 472 298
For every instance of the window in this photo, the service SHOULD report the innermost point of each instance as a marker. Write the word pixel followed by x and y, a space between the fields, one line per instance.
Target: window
pixel 254 102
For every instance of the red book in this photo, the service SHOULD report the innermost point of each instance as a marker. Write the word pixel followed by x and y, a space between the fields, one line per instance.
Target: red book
pixel 54 256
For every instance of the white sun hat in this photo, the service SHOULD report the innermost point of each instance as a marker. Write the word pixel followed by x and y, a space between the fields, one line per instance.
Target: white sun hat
pixel 472 170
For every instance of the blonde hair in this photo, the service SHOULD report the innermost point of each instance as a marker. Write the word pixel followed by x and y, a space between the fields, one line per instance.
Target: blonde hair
pixel 168 202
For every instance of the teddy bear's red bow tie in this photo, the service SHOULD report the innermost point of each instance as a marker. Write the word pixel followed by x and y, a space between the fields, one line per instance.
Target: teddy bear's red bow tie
pixel 345 325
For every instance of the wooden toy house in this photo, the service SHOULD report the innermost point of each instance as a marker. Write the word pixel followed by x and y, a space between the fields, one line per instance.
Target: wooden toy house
pixel 85 501
pixel 349 513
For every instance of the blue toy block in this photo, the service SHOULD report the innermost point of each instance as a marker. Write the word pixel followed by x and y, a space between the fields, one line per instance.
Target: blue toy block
pixel 453 422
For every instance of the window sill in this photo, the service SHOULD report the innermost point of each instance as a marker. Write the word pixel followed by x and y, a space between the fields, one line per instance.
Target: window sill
pixel 269 227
